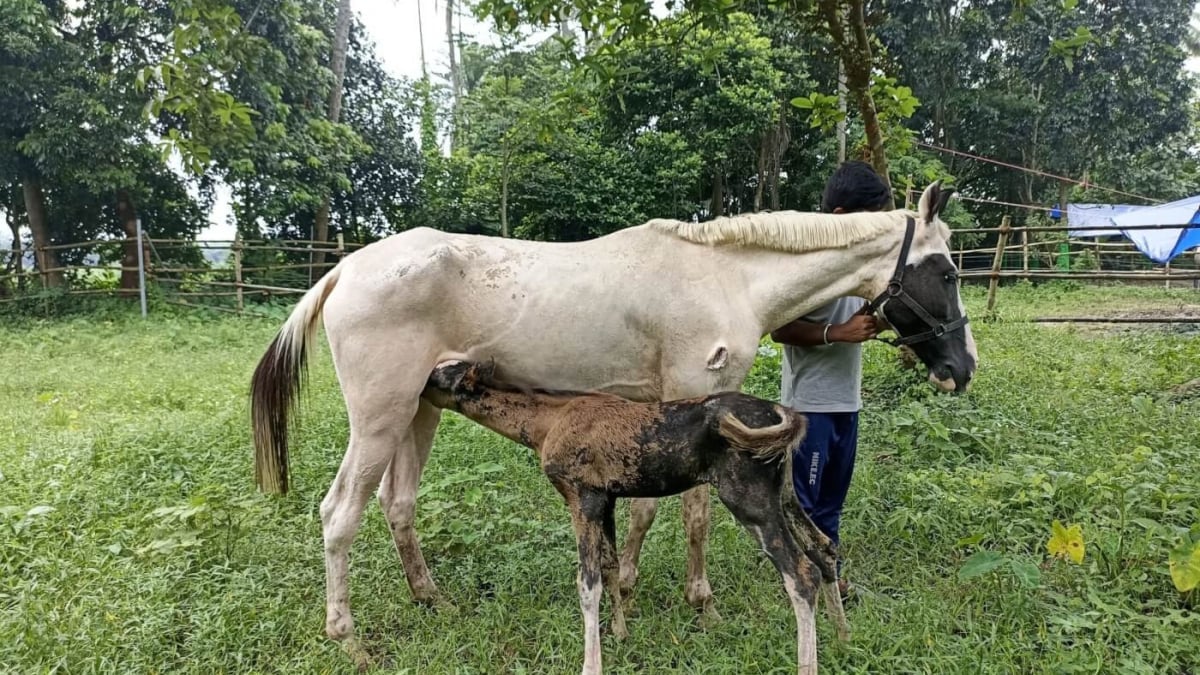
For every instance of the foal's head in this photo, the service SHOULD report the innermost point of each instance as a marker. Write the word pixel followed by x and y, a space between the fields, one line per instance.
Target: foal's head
pixel 452 381
pixel 930 279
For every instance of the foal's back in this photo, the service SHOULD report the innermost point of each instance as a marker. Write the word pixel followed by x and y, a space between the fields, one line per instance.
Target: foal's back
pixel 634 449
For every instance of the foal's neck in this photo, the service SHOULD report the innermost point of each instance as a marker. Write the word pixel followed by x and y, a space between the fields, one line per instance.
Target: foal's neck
pixel 524 417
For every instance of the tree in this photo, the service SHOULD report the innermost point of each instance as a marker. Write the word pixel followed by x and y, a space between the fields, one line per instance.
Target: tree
pixel 848 28
pixel 341 40
pixel 613 21
pixel 719 88
pixel 76 138
pixel 1065 88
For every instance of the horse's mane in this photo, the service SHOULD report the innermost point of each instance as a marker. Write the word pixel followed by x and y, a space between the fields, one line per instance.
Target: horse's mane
pixel 791 231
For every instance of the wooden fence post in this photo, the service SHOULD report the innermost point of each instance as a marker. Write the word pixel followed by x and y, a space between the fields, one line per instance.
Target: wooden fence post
pixel 1025 251
pixel 237 270
pixel 1001 242
pixel 1167 271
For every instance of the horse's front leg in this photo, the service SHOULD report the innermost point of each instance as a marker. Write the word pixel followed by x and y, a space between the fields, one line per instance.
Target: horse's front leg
pixel 641 517
pixel 720 367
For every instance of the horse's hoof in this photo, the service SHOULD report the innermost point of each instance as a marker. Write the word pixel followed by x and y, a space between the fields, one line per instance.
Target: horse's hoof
pixel 619 631
pixel 357 653
pixel 426 595
pixel 709 617
pixel 628 581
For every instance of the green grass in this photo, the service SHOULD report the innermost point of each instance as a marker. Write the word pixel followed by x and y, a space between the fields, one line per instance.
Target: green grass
pixel 132 539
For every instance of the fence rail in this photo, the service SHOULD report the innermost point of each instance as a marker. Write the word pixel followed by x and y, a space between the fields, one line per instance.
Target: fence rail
pixel 261 269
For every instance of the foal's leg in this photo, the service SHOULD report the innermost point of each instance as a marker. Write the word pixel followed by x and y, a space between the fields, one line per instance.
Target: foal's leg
pixel 756 507
pixel 589 536
pixel 398 497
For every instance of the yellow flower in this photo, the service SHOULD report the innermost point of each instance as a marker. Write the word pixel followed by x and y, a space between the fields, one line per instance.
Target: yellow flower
pixel 1184 563
pixel 1066 543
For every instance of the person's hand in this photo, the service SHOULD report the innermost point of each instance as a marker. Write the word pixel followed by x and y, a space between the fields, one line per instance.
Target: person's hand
pixel 859 328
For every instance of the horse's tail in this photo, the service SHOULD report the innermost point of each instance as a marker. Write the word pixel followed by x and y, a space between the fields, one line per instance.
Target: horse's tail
pixel 277 380
pixel 771 443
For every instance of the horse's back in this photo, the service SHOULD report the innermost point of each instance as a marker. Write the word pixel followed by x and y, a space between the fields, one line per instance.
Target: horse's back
pixel 587 315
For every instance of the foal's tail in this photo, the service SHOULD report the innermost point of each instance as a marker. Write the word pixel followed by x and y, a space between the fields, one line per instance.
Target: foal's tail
pixel 276 382
pixel 771 443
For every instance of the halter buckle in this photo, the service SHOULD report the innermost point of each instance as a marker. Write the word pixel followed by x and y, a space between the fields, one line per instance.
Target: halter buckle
pixel 939 330
pixel 894 288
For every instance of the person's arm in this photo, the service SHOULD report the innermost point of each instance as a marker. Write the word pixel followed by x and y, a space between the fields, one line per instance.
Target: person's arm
pixel 801 333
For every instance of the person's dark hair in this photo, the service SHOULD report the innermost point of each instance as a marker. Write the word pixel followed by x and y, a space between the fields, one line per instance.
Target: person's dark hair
pixel 854 186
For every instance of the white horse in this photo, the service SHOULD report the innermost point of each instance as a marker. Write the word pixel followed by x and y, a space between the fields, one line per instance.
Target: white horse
pixel 662 311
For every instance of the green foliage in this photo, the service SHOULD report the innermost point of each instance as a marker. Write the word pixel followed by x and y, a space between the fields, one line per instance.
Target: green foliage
pixel 1055 86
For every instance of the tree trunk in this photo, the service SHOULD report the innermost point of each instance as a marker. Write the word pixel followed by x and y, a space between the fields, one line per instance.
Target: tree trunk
pixel 854 47
pixel 35 206
pixel 504 199
pixel 455 80
pixel 783 138
pixel 341 44
pixel 760 179
pixel 14 265
pixel 505 162
pixel 841 125
pixel 421 40
pixel 717 207
pixel 127 216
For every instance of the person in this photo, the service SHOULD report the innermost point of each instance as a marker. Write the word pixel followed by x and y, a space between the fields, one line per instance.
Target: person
pixel 822 371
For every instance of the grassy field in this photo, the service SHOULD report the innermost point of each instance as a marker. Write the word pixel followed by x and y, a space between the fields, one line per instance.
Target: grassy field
pixel 132 539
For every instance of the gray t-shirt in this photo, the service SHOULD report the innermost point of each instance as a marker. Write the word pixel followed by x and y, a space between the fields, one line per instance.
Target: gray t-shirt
pixel 825 378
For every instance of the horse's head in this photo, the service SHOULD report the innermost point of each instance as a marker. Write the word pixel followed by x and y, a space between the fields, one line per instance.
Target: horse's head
pixel 931 320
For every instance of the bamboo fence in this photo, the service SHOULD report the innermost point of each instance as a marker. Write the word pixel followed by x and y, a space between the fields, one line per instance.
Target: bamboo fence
pixel 258 270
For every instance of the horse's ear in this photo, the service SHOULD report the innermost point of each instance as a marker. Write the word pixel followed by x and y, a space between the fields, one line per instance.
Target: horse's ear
pixel 933 201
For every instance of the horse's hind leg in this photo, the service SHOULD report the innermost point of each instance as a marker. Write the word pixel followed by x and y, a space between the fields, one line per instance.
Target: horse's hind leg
pixel 371 448
pixel 696 515
pixel 382 391
pixel 641 517
pixel 611 570
pixel 398 497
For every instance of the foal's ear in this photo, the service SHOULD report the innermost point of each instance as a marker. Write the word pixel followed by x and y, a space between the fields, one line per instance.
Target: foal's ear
pixel 933 201
pixel 479 374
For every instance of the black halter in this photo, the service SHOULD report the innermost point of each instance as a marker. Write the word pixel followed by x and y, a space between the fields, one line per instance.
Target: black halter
pixel 895 290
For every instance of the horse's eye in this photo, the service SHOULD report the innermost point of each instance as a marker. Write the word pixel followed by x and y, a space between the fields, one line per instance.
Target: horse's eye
pixel 951 277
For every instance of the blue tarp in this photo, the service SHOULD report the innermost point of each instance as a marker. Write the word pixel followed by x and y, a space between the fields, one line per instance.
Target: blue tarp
pixel 1095 215
pixel 1162 245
